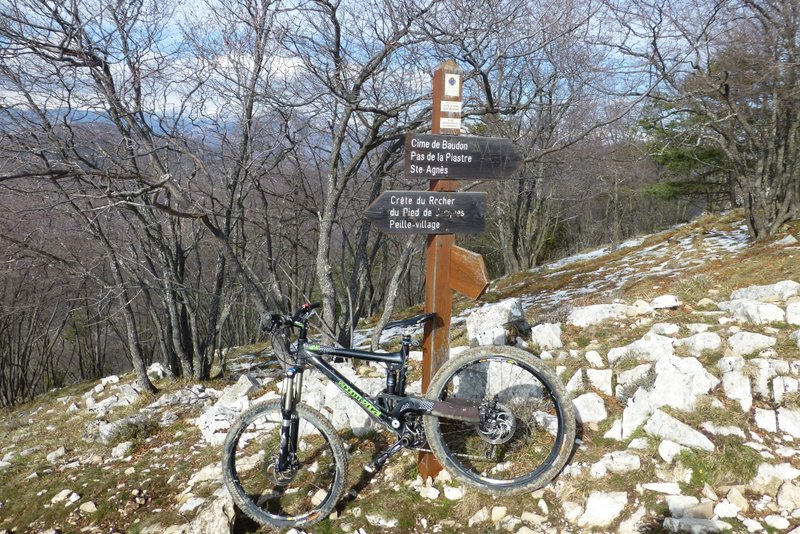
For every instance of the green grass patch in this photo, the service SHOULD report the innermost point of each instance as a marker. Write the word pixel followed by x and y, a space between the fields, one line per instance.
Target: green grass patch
pixel 732 463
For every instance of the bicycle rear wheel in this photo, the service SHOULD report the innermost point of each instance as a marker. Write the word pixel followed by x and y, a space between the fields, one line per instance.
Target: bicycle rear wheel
pixel 301 492
pixel 527 427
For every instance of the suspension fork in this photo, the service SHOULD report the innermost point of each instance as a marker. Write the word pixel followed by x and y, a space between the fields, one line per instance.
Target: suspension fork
pixel 290 422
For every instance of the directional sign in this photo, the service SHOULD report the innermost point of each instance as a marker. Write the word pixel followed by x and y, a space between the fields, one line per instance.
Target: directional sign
pixel 459 157
pixel 426 212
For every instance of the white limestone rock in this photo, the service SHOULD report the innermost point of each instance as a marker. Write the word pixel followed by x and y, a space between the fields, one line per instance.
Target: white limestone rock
pixel 668 450
pixel 779 291
pixel 726 510
pixel 699 343
pixel 695 526
pixel 667 488
pixel 594 359
pixel 651 347
pixel 626 379
pixel 672 374
pixel 600 379
pixel 770 478
pixel 789 496
pixel 590 408
pixel 781 385
pixel 737 387
pixel 793 313
pixel 745 343
pixel 615 462
pixel 665 426
pixel 603 508
pixel 752 311
pixel 575 383
pixel 665 329
pixel 718 430
pixel 547 336
pixel 487 325
pixel 633 524
pixel 678 504
pixel 583 316
pixel 789 421
pixel 777 522
pixel 665 302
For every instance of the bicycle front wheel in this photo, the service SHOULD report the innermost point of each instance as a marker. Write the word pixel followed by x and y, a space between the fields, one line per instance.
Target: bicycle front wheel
pixel 296 487
pixel 527 427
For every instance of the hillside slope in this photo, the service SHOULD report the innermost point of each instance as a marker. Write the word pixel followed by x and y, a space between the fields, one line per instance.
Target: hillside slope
pixel 685 377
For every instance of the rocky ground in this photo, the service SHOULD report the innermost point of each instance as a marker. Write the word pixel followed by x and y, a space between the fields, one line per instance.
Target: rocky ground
pixel 681 350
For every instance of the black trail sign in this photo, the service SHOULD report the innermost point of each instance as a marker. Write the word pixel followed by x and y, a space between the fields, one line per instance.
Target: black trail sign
pixel 426 212
pixel 458 157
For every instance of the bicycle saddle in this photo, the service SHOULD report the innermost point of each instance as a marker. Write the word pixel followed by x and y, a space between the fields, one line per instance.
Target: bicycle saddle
pixel 411 321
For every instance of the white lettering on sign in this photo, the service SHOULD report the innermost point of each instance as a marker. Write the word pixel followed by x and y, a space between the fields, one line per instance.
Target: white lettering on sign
pixel 447 123
pixel 451 106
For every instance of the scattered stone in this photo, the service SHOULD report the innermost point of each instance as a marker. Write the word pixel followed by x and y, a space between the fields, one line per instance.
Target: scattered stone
pixel 88 507
pixel 633 524
pixel 736 498
pixel 594 359
pixel 487 325
pixel 667 488
pixel 583 316
pixel 191 504
pixel 453 494
pixel 615 462
pixel 499 513
pixel 695 526
pixel 779 291
pixel 717 430
pixel 379 521
pixel 590 408
pixel 745 343
pixel 651 347
pixel 665 329
pixel 665 426
pixel 777 522
pixel 781 385
pixel 122 450
pixel 56 454
pixel 572 511
pixel 766 420
pixel 112 379
pixel 603 508
pixel 736 386
pixel 429 492
pixel 668 450
pixel 726 510
pixel 751 311
pixel 793 313
pixel 678 504
pixel 600 379
pixel 481 516
pixel 789 496
pixel 61 496
pixel 546 336
pixel 789 421
pixel 769 478
pixel 699 343
pixel 665 302
pixel 575 383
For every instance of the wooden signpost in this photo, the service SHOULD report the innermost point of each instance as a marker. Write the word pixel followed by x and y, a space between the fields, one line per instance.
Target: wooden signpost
pixel 444 157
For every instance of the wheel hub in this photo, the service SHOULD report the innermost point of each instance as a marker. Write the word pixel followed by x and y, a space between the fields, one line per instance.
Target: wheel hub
pixel 498 425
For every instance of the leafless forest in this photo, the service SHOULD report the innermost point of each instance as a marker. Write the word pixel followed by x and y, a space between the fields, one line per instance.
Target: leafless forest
pixel 170 171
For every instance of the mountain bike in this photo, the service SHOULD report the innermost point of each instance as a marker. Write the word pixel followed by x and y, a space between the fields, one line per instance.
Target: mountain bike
pixel 497 419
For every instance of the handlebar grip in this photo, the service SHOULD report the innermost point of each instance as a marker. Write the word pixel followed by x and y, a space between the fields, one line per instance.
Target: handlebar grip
pixel 306 308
